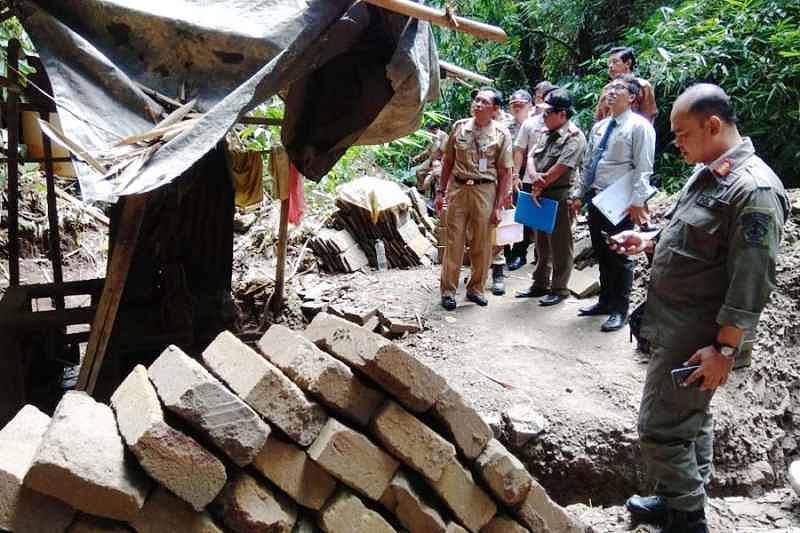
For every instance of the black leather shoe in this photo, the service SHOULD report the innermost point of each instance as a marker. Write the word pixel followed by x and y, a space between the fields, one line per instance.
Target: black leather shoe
pixel 516 263
pixel 478 299
pixel 552 299
pixel 685 522
pixel 650 509
pixel 532 292
pixel 594 310
pixel 448 302
pixel 614 322
pixel 498 280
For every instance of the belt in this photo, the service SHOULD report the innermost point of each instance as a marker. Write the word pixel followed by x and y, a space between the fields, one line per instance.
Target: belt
pixel 472 181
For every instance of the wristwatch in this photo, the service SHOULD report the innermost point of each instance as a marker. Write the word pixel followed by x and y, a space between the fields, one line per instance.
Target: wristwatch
pixel 725 350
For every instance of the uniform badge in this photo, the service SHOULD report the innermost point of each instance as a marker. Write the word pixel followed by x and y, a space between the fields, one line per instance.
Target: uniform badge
pixel 756 228
pixel 723 168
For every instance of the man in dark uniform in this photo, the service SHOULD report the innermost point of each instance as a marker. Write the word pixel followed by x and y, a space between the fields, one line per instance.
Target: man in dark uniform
pixel 712 273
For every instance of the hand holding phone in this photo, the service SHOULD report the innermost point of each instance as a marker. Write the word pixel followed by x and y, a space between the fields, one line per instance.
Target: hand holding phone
pixel 679 375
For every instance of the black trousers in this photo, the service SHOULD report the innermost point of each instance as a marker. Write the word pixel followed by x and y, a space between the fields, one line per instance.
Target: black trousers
pixel 616 271
pixel 520 249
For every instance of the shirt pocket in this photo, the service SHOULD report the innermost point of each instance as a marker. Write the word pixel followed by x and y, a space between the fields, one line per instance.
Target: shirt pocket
pixel 463 146
pixel 620 148
pixel 700 234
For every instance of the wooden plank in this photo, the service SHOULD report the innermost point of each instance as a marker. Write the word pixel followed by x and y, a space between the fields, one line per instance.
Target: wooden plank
pixel 460 72
pixel 52 216
pixel 276 301
pixel 116 276
pixel 442 18
pixel 12 123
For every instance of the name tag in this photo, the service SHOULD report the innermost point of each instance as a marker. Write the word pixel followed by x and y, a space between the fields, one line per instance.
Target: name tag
pixel 483 164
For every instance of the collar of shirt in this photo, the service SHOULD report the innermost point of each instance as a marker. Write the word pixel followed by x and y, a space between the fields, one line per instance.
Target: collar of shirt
pixel 722 167
pixel 622 117
pixel 471 126
pixel 564 130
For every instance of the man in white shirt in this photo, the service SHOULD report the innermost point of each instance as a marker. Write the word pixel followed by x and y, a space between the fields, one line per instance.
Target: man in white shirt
pixel 621 146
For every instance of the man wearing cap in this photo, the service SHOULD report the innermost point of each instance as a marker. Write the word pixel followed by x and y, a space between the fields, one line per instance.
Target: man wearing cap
pixel 557 156
pixel 621 146
pixel 524 141
pixel 621 61
pixel 520 107
pixel 476 175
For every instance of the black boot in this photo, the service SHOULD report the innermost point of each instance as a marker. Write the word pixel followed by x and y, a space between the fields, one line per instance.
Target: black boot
pixel 650 509
pixel 498 280
pixel 685 522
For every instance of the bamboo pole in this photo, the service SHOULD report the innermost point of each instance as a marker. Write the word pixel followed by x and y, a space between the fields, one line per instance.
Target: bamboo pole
pixel 276 301
pixel 441 18
pixel 12 123
pixel 460 72
pixel 52 216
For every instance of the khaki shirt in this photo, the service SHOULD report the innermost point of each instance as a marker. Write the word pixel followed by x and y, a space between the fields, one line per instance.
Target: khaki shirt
pixel 467 145
pixel 436 149
pixel 714 264
pixel 567 146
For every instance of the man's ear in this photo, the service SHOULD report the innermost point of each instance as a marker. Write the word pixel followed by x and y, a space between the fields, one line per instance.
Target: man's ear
pixel 714 124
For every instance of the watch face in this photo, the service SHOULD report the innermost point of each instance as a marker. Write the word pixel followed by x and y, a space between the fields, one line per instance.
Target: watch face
pixel 728 351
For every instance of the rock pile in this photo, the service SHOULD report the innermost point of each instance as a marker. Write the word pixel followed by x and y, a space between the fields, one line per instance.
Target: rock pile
pixel 334 429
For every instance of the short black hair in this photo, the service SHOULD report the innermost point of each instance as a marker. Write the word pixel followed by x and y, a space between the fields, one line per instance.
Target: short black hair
pixel 631 83
pixel 497 98
pixel 713 101
pixel 626 53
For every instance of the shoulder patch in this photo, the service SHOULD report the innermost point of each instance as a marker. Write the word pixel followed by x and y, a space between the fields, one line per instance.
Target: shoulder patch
pixel 756 226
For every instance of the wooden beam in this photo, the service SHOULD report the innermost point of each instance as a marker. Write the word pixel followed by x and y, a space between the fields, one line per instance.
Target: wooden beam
pixel 127 236
pixel 12 123
pixel 460 72
pixel 442 18
pixel 52 216
pixel 276 301
pixel 265 121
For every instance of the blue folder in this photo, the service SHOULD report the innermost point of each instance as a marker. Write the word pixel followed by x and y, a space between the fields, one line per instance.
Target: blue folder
pixel 541 217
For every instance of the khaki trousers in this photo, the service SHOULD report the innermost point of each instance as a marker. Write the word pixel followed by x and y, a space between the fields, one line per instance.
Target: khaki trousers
pixel 555 253
pixel 469 209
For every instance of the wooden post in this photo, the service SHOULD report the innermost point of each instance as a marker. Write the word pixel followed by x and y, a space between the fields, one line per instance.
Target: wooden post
pixel 12 122
pixel 459 72
pixel 440 18
pixel 276 301
pixel 52 216
pixel 130 223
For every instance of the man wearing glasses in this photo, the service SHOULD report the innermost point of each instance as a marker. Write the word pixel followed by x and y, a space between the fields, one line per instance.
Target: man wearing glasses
pixel 478 158
pixel 556 157
pixel 621 146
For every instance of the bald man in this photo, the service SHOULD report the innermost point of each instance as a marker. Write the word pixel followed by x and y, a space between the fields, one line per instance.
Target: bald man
pixel 713 268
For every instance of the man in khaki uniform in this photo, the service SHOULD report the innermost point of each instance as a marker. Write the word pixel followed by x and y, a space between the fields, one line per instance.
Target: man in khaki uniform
pixel 478 159
pixel 556 157
pixel 712 273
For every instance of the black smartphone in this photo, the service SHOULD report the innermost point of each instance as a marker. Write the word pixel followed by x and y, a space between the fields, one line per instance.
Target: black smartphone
pixel 606 236
pixel 679 375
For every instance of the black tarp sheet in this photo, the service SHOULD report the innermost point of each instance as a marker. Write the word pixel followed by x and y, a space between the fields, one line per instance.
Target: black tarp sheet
pixel 350 73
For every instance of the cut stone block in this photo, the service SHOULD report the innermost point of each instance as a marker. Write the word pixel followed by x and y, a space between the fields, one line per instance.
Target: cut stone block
pixel 794 476
pixel 522 424
pixel 172 458
pixel 81 461
pixel 248 506
pixel 293 471
pixel 406 500
pixel 91 524
pixel 320 374
pixel 504 524
pixel 347 514
pixel 415 385
pixel 539 513
pixel 505 475
pixel 22 509
pixel 166 513
pixel 470 504
pixel 585 283
pixel 265 388
pixel 350 457
pixel 452 527
pixel 469 431
pixel 190 391
pixel 406 437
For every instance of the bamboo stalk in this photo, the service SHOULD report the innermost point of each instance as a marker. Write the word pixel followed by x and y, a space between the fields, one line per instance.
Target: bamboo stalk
pixel 12 124
pixel 91 211
pixel 66 143
pixel 441 18
pixel 158 132
pixel 460 72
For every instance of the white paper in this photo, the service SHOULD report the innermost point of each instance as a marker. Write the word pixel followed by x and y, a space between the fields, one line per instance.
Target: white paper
pixel 614 200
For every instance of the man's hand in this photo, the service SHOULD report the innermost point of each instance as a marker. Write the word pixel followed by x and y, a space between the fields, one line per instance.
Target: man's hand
pixel 714 368
pixel 495 220
pixel 629 242
pixel 516 184
pixel 438 202
pixel 508 201
pixel 575 204
pixel 639 215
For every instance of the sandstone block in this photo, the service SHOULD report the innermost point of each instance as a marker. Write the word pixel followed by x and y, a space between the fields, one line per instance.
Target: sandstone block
pixel 350 457
pixel 414 384
pixel 505 475
pixel 81 461
pixel 452 527
pixel 190 391
pixel 470 504
pixel 165 513
pixel 248 506
pixel 504 524
pixel 292 470
pixel 171 457
pixel 347 514
pixel 265 388
pixel 320 374
pixel 407 500
pixel 22 509
pixel 539 513
pixel 469 431
pixel 406 437
pixel 522 424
